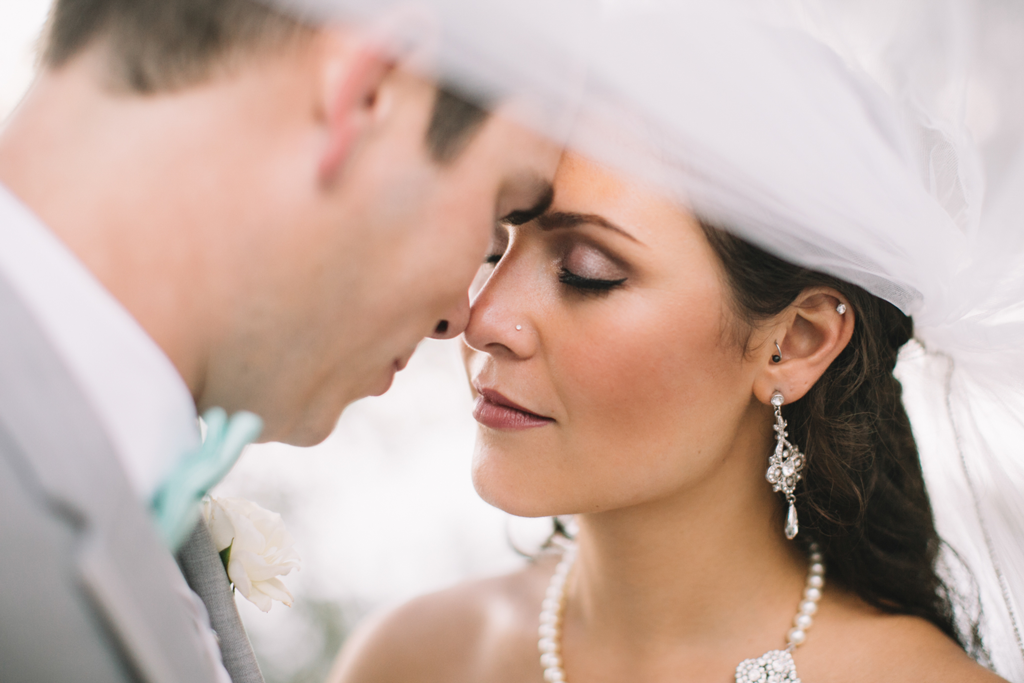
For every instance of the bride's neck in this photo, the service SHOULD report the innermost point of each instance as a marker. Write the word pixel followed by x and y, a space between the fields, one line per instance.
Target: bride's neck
pixel 708 563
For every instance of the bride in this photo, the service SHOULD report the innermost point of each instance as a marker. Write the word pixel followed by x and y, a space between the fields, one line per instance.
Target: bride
pixel 725 425
pixel 635 367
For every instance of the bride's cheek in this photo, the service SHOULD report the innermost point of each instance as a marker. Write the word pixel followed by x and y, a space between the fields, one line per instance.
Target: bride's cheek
pixel 648 379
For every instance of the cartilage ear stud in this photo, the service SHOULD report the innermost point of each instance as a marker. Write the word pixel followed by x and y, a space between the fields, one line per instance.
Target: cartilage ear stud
pixel 777 357
pixel 841 308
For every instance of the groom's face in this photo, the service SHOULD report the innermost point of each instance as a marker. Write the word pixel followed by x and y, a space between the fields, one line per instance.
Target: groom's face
pixel 375 260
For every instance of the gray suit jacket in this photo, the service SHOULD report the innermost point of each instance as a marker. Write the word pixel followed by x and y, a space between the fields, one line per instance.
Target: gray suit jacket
pixel 87 590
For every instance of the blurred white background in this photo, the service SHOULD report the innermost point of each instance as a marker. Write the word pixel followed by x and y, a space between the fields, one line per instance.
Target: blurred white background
pixel 20 24
pixel 382 510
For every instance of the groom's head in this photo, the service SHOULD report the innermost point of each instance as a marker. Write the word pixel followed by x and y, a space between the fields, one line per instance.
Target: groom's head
pixel 287 209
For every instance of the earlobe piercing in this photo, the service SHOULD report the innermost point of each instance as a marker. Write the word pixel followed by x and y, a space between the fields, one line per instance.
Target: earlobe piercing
pixel 777 357
pixel 841 308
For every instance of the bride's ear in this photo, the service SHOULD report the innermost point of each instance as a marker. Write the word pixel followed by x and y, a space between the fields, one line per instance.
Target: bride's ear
pixel 810 333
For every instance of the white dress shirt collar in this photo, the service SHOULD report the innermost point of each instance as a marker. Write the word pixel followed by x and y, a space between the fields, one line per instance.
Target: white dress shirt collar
pixel 136 391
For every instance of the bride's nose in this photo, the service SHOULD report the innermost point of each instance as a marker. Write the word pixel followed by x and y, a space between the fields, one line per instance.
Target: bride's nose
pixel 500 322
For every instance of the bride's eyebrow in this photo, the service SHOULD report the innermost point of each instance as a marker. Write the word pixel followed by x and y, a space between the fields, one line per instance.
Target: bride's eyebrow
pixel 564 219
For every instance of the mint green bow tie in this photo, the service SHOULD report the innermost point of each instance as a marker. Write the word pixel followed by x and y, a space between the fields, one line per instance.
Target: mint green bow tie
pixel 175 505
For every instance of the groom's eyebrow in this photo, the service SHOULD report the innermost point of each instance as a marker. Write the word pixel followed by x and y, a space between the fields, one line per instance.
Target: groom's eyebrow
pixel 545 195
pixel 568 219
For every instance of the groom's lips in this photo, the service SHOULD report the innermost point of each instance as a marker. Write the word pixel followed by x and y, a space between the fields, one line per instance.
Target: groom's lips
pixel 401 362
pixel 397 365
pixel 497 412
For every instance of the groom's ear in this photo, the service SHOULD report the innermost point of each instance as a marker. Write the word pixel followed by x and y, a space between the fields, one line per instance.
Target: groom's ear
pixel 354 71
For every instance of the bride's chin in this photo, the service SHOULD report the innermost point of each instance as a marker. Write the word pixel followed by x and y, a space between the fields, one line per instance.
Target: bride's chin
pixel 515 505
pixel 508 493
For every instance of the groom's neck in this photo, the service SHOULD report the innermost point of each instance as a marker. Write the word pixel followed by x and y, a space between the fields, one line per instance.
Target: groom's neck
pixel 140 188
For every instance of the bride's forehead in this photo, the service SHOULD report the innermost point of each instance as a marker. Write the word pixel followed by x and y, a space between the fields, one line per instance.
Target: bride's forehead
pixel 581 179
pixel 572 164
pixel 583 185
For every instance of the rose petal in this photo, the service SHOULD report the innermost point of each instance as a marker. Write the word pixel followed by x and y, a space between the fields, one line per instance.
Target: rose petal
pixel 256 567
pixel 221 529
pixel 276 590
pixel 261 548
pixel 260 599
pixel 239 577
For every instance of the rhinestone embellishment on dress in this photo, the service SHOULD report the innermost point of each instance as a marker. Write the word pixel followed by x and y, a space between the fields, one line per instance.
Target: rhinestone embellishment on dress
pixel 776 666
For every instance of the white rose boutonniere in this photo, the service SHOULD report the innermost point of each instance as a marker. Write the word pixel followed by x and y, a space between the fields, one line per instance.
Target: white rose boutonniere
pixel 255 548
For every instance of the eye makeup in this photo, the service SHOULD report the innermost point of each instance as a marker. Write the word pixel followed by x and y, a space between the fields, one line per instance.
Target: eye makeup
pixel 586 267
pixel 582 264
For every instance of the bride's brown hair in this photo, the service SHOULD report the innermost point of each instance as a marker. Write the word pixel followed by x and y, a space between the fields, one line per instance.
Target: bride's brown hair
pixel 863 497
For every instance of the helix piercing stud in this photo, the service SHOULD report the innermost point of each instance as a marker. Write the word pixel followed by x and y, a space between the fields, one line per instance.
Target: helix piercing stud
pixel 841 308
pixel 777 357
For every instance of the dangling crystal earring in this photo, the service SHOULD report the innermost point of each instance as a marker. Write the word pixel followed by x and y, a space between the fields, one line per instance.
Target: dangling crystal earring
pixel 785 467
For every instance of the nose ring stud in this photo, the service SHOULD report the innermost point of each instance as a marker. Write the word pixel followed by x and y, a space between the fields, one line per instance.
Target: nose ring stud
pixel 519 327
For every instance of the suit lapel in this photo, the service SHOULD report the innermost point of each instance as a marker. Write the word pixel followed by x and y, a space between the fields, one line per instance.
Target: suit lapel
pixel 123 567
pixel 201 564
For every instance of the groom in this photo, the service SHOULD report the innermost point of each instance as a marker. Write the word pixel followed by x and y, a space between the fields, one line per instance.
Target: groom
pixel 207 203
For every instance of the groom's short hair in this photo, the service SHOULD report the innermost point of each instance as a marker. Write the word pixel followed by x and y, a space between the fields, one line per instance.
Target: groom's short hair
pixel 160 45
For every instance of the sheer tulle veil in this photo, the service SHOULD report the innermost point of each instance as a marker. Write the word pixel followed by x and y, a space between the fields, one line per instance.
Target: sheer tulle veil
pixel 880 141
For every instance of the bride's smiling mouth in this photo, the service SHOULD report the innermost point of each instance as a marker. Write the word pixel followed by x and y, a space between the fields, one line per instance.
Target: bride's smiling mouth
pixel 497 412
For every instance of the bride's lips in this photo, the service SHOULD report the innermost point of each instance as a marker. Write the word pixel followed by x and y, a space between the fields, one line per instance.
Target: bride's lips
pixel 497 412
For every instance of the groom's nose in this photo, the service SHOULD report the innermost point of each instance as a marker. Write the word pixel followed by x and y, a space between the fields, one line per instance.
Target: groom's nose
pixel 454 322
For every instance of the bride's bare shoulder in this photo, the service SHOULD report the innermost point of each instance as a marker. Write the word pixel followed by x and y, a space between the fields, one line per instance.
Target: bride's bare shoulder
pixel 487 631
pixel 852 642
pixel 475 631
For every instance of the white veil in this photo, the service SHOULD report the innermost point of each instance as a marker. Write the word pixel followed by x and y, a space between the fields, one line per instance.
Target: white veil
pixel 880 141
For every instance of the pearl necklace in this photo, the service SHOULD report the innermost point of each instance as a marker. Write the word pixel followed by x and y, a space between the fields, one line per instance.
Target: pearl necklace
pixel 775 666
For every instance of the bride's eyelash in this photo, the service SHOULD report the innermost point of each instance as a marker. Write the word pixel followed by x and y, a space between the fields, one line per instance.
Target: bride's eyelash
pixel 571 279
pixel 567 277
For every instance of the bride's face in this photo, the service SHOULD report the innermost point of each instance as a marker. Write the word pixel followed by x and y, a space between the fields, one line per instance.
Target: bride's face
pixel 607 323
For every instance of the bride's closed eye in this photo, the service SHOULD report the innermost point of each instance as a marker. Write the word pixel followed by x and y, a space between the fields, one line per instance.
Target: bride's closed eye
pixel 588 269
pixel 567 277
pixel 582 266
